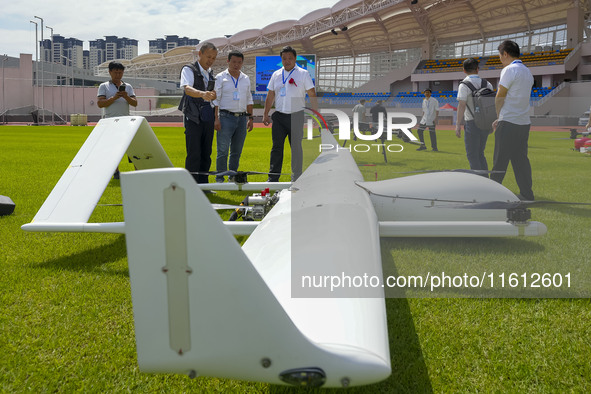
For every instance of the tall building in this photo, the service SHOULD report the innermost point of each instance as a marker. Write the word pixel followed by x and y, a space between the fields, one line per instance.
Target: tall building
pixel 61 50
pixel 112 48
pixel 86 59
pixel 161 45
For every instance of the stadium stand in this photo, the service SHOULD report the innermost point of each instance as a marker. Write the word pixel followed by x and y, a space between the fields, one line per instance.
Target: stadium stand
pixel 531 59
pixel 404 99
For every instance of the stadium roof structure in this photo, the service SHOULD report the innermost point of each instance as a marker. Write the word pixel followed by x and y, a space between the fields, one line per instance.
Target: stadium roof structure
pixel 353 27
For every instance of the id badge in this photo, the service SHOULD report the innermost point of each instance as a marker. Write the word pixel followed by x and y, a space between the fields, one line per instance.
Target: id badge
pixel 236 95
pixel 282 92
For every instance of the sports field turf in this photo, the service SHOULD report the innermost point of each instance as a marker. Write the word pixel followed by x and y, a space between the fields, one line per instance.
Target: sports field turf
pixel 66 322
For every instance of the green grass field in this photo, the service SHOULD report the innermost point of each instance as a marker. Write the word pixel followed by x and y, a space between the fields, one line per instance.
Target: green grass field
pixel 66 323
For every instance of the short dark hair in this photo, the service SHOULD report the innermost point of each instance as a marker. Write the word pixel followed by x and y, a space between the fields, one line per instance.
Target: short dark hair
pixel 236 53
pixel 288 49
pixel 362 101
pixel 116 66
pixel 470 65
pixel 510 47
pixel 207 45
pixel 427 90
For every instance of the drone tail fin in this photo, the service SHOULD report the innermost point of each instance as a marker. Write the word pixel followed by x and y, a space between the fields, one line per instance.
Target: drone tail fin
pixel 202 308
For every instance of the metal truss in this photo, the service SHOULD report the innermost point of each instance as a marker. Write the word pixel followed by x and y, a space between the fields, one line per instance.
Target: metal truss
pixel 300 32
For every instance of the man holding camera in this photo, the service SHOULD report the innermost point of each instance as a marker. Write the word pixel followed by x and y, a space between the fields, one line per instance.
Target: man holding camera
pixel 198 83
pixel 115 96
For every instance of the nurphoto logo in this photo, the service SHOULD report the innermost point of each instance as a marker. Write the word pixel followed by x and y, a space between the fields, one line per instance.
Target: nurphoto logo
pixel 393 126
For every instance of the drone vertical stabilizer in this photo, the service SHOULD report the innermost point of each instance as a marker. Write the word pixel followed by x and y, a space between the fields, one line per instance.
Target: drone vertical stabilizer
pixel 204 308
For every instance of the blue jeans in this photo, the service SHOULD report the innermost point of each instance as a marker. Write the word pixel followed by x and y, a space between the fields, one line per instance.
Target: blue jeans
pixel 230 138
pixel 475 141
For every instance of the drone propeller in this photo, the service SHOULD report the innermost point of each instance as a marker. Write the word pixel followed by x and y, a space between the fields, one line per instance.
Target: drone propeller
pixel 475 204
pixel 509 204
pixel 217 207
pixel 240 177
pixel 222 207
pixel 477 172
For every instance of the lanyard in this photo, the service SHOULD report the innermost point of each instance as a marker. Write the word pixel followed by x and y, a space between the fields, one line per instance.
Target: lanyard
pixel 282 75
pixel 236 81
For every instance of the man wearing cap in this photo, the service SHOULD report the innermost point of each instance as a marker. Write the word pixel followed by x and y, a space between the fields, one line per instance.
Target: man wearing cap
pixel 429 119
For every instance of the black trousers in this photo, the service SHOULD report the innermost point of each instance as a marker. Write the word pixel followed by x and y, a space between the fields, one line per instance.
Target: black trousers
pixel 432 134
pixel 198 139
pixel 511 146
pixel 292 127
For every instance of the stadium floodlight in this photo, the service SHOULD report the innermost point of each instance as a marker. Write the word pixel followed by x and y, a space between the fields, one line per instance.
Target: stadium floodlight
pixel 42 72
pixel 4 107
pixel 414 1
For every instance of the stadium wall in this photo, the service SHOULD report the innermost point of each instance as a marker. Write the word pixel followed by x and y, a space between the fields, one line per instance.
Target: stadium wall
pixel 570 102
pixel 394 81
pixel 19 96
pixel 16 86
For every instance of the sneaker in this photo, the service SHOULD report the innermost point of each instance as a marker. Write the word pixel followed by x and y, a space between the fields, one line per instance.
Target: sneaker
pixel 435 150
pixel 421 148
pixel 209 192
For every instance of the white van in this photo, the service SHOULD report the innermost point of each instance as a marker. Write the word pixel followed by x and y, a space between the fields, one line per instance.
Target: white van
pixel 584 119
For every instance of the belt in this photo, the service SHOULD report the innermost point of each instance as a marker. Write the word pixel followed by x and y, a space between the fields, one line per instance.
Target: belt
pixel 234 113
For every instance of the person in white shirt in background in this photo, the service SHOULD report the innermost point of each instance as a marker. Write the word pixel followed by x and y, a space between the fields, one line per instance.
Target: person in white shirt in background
pixel 513 123
pixel 429 120
pixel 233 113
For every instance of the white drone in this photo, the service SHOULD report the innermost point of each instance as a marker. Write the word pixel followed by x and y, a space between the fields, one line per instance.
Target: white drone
pixel 204 306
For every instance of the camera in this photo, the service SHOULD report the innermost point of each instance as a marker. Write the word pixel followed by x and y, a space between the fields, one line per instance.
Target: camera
pixel 210 85
pixel 122 87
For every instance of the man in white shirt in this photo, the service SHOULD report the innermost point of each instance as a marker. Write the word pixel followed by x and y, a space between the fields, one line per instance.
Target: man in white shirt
pixel 233 113
pixel 429 120
pixel 513 123
pixel 287 88
pixel 474 138
pixel 197 82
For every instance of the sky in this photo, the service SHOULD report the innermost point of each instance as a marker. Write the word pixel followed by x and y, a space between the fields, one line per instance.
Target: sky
pixel 143 21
